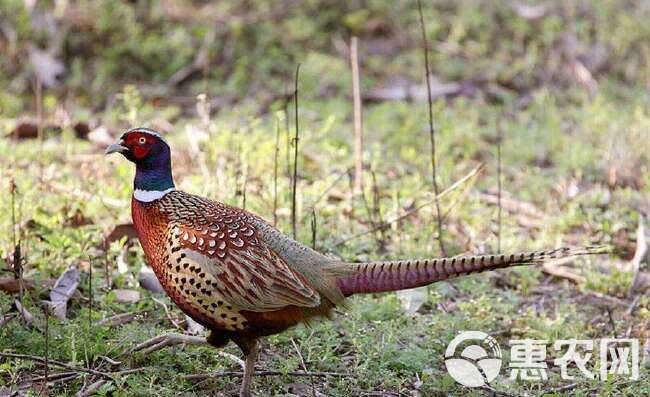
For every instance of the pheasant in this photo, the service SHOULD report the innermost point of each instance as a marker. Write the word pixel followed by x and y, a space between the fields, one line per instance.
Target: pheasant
pixel 243 279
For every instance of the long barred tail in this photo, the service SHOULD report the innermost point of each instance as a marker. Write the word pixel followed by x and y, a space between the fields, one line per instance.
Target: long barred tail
pixel 405 274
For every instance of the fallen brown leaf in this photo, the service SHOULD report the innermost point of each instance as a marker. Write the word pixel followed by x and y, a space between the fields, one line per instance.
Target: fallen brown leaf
pixel 10 285
pixel 120 231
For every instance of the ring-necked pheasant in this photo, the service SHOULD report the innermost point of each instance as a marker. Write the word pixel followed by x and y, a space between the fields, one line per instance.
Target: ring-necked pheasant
pixel 243 279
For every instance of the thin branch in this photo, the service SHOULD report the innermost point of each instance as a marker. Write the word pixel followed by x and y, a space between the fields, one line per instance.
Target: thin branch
pixel 120 319
pixel 314 228
pixel 358 120
pixel 91 389
pixel 56 363
pixel 499 223
pixel 235 374
pixel 39 126
pixel 304 366
pixel 167 313
pixel 639 254
pixel 425 49
pixel 288 136
pixel 295 158
pixel 46 311
pixel 90 292
pixel 276 154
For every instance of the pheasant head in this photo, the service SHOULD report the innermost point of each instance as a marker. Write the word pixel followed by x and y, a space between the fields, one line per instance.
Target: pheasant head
pixel 152 157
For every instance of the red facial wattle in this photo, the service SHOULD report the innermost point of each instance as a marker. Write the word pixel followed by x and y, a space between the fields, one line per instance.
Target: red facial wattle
pixel 140 151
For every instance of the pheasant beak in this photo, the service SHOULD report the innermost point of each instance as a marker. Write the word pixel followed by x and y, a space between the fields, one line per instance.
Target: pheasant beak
pixel 116 148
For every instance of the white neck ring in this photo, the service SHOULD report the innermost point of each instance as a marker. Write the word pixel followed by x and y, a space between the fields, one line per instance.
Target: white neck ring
pixel 148 196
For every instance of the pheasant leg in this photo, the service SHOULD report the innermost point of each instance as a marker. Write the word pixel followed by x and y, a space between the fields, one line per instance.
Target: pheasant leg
pixel 250 348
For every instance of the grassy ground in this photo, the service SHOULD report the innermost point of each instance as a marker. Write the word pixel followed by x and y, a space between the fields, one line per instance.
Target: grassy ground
pixel 575 165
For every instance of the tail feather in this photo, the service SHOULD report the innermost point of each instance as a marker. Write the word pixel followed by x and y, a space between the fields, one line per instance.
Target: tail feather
pixel 404 274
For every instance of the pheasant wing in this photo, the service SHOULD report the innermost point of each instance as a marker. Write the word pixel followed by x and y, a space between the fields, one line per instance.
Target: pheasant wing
pixel 245 271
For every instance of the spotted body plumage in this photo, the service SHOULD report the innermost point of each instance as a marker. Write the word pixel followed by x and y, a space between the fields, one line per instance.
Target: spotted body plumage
pixel 212 263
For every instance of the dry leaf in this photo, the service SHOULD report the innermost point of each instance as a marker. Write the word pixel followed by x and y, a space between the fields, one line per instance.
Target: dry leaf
pixel 412 299
pixel 122 266
pixel 149 281
pixel 120 231
pixel 126 296
pixel 63 289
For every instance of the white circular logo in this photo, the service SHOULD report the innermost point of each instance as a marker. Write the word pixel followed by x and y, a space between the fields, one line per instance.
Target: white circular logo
pixel 478 363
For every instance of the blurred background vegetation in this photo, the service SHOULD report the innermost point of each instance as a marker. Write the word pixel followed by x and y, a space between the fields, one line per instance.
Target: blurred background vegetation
pixel 563 86
pixel 247 50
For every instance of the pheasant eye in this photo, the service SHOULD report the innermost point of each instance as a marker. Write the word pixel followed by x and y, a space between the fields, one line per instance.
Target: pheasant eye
pixel 142 140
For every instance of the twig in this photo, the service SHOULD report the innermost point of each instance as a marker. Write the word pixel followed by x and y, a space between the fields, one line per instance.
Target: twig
pixel 376 209
pixel 90 293
pixel 313 228
pixel 425 49
pixel 167 313
pixel 288 136
pixel 119 319
pixel 164 340
pixel 639 254
pixel 56 363
pixel 499 223
pixel 244 183
pixel 304 366
pixel 235 374
pixel 295 158
pixel 39 126
pixel 233 358
pixel 91 388
pixel 52 377
pixel 557 268
pixel 442 194
pixel 275 173
pixel 17 260
pixel 46 311
pixel 633 305
pixel 612 323
pixel 358 119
